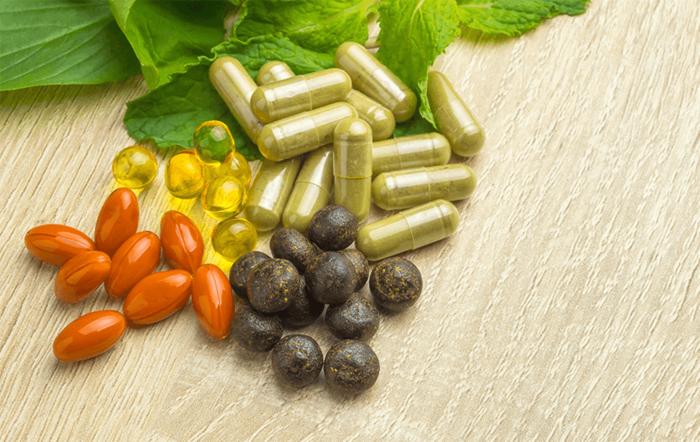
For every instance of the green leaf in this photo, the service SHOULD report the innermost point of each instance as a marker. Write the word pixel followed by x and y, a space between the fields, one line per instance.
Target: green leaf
pixel 168 115
pixel 416 125
pixel 319 25
pixel 169 35
pixel 413 33
pixel 514 17
pixel 61 42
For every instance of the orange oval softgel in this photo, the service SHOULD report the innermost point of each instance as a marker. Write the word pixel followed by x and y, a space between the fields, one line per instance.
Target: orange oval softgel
pixel 212 300
pixel 134 260
pixel 157 296
pixel 81 276
pixel 118 220
pixel 182 242
pixel 57 244
pixel 89 335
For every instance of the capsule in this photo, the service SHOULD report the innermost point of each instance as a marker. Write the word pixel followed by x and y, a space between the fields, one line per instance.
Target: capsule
pixel 273 71
pixel 376 81
pixel 298 94
pixel 269 193
pixel 57 244
pixel 89 336
pixel 81 276
pixel 232 82
pixel 213 142
pixel 235 165
pixel 212 300
pixel 135 167
pixel 380 119
pixel 408 230
pixel 157 296
pixel 401 153
pixel 312 189
pixel 133 261
pixel 224 197
pixel 118 220
pixel 453 118
pixel 182 241
pixel 184 175
pixel 233 238
pixel 303 132
pixel 352 166
pixel 409 188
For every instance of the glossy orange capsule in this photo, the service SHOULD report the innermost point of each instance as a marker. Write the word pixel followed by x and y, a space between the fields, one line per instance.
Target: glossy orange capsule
pixel 56 244
pixel 81 276
pixel 182 242
pixel 212 300
pixel 118 220
pixel 89 335
pixel 135 259
pixel 157 296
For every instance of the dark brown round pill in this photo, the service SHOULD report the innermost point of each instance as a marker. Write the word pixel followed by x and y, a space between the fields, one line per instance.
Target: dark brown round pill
pixel 351 366
pixel 331 278
pixel 303 309
pixel 356 318
pixel 395 284
pixel 361 265
pixel 238 277
pixel 333 228
pixel 256 331
pixel 292 245
pixel 297 360
pixel 272 284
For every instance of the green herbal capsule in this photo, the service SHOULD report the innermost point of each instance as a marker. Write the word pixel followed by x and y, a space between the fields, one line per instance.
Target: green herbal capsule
pixel 408 230
pixel 352 166
pixel 303 132
pixel 453 118
pixel 375 80
pixel 312 189
pixel 298 94
pixel 269 193
pixel 274 71
pixel 380 119
pixel 408 152
pixel 232 82
pixel 409 188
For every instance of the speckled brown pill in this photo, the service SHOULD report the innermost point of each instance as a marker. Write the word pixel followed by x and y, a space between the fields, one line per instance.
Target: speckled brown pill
pixel 232 82
pixel 380 119
pixel 453 118
pixel 303 309
pixel 292 245
pixel 352 166
pixel 274 71
pixel 351 366
pixel 356 318
pixel 409 188
pixel 303 132
pixel 297 360
pixel 396 284
pixel 271 285
pixel 240 270
pixel 312 189
pixel 401 153
pixel 408 230
pixel 376 81
pixel 333 228
pixel 361 265
pixel 298 94
pixel 256 331
pixel 269 192
pixel 330 278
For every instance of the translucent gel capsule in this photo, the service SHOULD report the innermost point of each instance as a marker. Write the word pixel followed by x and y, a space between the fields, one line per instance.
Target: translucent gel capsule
pixel 213 142
pixel 380 119
pixel 453 118
pixel 234 85
pixel 235 165
pixel 401 153
pixel 135 167
pixel 269 192
pixel 402 189
pixel 352 166
pixel 303 132
pixel 234 237
pixel 224 197
pixel 184 176
pixel 376 81
pixel 298 94
pixel 408 230
pixel 312 189
pixel 274 71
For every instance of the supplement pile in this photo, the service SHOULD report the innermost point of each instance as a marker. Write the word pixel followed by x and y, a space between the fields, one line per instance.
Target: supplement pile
pixel 324 136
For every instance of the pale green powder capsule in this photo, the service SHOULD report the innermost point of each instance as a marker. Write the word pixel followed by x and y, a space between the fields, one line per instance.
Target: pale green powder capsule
pixel 312 189
pixel 380 119
pixel 269 192
pixel 273 71
pixel 409 188
pixel 408 152
pixel 408 230
pixel 352 166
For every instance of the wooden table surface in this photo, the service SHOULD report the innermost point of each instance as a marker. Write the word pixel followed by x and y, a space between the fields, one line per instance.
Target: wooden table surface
pixel 565 307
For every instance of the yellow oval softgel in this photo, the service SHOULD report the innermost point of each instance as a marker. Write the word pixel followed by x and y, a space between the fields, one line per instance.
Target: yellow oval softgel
pixel 184 176
pixel 213 142
pixel 235 165
pixel 135 167
pixel 234 237
pixel 224 197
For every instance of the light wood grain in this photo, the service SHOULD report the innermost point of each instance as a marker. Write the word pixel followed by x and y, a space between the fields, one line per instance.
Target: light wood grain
pixel 565 308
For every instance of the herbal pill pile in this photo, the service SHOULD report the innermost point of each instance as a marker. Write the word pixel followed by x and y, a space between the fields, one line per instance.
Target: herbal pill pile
pixel 328 154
